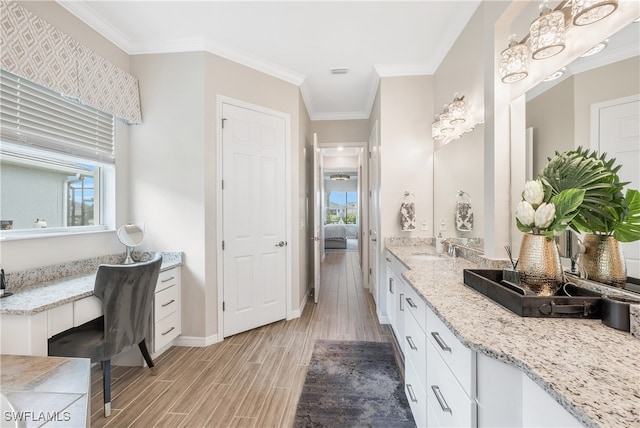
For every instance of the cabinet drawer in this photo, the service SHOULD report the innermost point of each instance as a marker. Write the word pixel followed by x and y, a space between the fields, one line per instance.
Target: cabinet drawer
pixel 60 319
pixel 414 345
pixel 450 403
pixel 415 395
pixel 85 310
pixel 459 358
pixel 166 302
pixel 167 279
pixel 415 305
pixel 394 263
pixel 166 330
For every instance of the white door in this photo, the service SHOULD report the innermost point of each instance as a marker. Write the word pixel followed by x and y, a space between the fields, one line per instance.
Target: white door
pixel 254 224
pixel 317 217
pixel 374 212
pixel 619 136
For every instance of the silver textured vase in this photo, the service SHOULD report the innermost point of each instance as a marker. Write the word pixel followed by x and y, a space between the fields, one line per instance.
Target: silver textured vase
pixel 603 260
pixel 539 265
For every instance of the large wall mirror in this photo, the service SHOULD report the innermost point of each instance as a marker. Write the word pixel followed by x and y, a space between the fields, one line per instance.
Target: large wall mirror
pixel 458 180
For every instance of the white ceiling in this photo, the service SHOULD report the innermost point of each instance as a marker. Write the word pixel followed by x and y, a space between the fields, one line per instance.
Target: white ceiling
pixel 298 41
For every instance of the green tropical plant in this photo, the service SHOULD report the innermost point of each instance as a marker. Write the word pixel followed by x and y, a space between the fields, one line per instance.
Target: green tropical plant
pixel 605 209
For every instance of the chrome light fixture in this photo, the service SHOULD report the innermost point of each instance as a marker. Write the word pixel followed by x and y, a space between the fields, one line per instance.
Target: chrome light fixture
pixel 546 35
pixel 436 133
pixel 596 49
pixel 339 176
pixel 585 12
pixel 555 75
pixel 514 61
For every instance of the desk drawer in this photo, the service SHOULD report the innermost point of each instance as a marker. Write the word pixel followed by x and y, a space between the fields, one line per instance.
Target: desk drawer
pixel 166 302
pixel 166 330
pixel 459 358
pixel 85 310
pixel 167 279
pixel 60 319
pixel 415 306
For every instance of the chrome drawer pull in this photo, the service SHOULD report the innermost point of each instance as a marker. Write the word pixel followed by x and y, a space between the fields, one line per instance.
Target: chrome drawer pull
pixel 388 259
pixel 410 302
pixel 168 331
pixel 391 285
pixel 169 302
pixel 411 344
pixel 168 279
pixel 412 395
pixel 438 339
pixel 443 403
pixel 402 302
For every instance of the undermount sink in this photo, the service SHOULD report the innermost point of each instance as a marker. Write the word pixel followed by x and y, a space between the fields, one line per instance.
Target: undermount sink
pixel 427 257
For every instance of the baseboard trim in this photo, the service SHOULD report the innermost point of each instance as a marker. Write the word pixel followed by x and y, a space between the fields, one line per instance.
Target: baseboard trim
pixel 298 312
pixel 196 341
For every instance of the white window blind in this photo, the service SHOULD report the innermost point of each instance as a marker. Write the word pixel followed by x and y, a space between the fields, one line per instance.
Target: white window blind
pixel 34 116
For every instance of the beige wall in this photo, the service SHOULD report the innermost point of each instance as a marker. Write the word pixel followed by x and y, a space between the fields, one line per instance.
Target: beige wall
pixel 305 160
pixel 341 131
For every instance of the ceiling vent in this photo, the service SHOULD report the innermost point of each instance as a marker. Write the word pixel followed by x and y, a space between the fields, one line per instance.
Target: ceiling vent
pixel 339 70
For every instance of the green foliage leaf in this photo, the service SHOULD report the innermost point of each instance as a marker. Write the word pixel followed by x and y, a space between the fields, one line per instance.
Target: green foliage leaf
pixel 567 203
pixel 629 229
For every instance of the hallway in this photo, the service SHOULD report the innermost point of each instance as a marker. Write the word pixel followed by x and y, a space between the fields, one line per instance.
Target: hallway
pixel 252 379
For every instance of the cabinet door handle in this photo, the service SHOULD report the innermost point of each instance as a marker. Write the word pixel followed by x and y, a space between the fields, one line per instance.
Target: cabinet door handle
pixel 401 302
pixel 168 303
pixel 388 259
pixel 168 331
pixel 391 285
pixel 171 278
pixel 441 343
pixel 410 302
pixel 443 403
pixel 411 344
pixel 412 394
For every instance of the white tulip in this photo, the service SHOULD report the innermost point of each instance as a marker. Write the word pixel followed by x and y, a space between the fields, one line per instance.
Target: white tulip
pixel 525 213
pixel 533 192
pixel 545 215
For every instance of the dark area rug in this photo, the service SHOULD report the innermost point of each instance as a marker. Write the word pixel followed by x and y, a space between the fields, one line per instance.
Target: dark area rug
pixel 353 384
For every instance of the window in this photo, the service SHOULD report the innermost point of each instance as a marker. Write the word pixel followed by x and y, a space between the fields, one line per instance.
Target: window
pixel 56 160
pixel 341 208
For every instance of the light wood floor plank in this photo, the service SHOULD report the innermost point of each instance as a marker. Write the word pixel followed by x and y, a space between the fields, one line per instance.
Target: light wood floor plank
pixel 252 379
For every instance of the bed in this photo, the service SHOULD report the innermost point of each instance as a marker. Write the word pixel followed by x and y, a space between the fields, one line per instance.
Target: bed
pixel 335 236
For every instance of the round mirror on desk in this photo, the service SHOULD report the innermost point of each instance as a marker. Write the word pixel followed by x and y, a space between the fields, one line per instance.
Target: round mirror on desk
pixel 131 236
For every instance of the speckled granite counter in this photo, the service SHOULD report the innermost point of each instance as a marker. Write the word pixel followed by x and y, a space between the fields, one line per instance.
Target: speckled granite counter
pixel 72 282
pixel 45 390
pixel 591 370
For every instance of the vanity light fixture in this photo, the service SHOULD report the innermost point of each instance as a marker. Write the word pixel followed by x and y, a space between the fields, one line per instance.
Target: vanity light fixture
pixel 436 133
pixel 339 176
pixel 546 34
pixel 585 12
pixel 457 110
pixel 514 61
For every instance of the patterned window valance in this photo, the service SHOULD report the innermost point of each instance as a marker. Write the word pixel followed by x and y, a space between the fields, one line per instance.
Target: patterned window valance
pixel 32 48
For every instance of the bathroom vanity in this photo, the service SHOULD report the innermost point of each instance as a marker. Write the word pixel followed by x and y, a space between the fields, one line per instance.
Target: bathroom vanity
pixel 36 312
pixel 471 362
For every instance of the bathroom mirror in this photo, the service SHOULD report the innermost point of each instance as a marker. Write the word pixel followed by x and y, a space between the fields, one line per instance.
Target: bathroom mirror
pixel 130 235
pixel 459 166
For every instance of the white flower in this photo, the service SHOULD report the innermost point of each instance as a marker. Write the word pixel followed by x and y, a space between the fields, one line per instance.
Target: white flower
pixel 545 215
pixel 533 192
pixel 525 213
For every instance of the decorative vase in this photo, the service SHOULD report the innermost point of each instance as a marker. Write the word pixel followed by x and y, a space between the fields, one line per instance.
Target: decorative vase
pixel 603 260
pixel 539 265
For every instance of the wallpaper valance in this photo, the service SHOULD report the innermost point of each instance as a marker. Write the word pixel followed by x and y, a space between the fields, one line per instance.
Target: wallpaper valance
pixel 32 48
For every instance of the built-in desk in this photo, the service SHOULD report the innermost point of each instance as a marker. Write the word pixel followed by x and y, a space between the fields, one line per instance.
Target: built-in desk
pixel 35 313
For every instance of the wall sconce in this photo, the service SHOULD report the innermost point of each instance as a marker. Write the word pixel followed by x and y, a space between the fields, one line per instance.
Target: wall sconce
pixel 585 12
pixel 452 122
pixel 547 34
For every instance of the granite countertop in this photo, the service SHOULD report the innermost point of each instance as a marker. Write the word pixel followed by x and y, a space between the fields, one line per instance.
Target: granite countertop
pixel 45 390
pixel 35 298
pixel 590 369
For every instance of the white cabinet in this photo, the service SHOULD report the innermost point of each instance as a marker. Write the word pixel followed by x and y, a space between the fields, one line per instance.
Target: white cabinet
pixel 415 355
pixel 167 313
pixel 395 298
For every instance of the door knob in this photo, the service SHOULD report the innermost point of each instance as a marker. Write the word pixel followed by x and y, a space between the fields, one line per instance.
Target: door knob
pixel 281 244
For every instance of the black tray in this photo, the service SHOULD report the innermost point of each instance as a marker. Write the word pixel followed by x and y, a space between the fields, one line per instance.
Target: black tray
pixel 571 301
